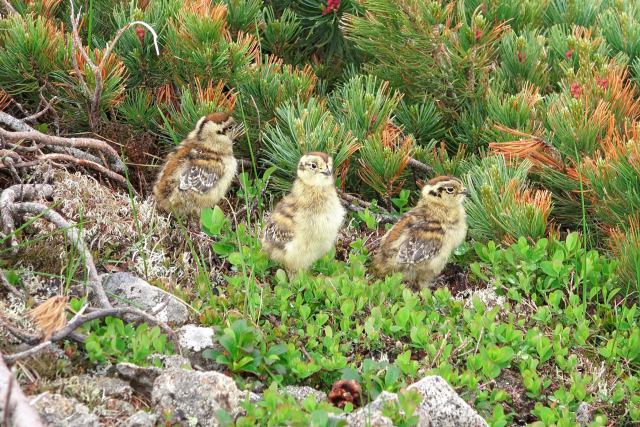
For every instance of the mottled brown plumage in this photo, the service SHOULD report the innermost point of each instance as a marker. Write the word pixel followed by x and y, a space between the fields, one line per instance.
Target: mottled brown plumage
pixel 420 243
pixel 199 172
pixel 304 224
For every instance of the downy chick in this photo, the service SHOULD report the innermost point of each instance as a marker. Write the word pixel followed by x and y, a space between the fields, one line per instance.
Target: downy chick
pixel 420 243
pixel 304 224
pixel 198 173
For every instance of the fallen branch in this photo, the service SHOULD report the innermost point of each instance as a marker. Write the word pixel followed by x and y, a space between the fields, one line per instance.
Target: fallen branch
pixel 34 135
pixel 18 193
pixel 8 8
pixel 4 283
pixel 74 236
pixel 10 210
pixel 80 162
pixel 356 204
pixel 80 319
pixel 419 166
pixel 40 113
pixel 30 339
pixel 16 410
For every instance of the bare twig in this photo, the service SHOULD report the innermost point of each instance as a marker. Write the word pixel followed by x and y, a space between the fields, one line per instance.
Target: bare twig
pixel 76 238
pixel 83 155
pixel 9 163
pixel 96 69
pixel 9 209
pixel 80 162
pixel 80 320
pixel 16 409
pixel 15 194
pixel 35 339
pixel 4 283
pixel 356 204
pixel 12 358
pixel 71 146
pixel 418 165
pixel 14 123
pixel 8 8
pixel 39 114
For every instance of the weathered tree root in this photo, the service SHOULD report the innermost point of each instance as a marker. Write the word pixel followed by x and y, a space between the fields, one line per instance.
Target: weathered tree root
pixel 73 146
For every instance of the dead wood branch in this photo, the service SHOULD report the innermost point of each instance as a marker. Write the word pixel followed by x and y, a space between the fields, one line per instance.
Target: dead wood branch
pixel 80 162
pixel 80 319
pixel 4 284
pixel 355 204
pixel 43 138
pixel 71 146
pixel 13 206
pixel 96 69
pixel 9 10
pixel 40 113
pixel 16 410
pixel 18 193
pixel 419 166
pixel 75 236
pixel 81 155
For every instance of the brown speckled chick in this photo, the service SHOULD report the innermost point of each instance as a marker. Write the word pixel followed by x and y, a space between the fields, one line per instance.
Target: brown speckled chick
pixel 420 244
pixel 304 224
pixel 200 170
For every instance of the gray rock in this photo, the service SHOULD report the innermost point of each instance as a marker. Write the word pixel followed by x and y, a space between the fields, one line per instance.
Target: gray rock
pixel 125 289
pixel 110 387
pixel 194 340
pixel 300 393
pixel 442 407
pixel 583 414
pixel 255 397
pixel 371 415
pixel 488 296
pixel 141 419
pixel 59 411
pixel 194 397
pixel 142 378
pixel 173 361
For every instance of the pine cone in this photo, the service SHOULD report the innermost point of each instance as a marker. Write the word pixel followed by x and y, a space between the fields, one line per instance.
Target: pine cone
pixel 345 391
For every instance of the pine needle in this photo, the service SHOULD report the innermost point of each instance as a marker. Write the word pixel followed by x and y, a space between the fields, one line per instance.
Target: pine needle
pixel 50 316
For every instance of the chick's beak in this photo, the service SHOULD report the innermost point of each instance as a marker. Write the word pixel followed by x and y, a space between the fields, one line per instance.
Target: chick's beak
pixel 465 192
pixel 328 172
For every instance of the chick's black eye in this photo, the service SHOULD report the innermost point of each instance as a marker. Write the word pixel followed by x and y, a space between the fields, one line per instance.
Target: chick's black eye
pixel 313 166
pixel 449 189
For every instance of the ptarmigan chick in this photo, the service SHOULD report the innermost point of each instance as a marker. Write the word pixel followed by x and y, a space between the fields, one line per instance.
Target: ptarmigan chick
pixel 420 244
pixel 200 170
pixel 304 224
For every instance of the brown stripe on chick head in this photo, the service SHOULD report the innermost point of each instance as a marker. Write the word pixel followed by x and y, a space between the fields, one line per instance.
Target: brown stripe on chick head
pixel 438 179
pixel 218 117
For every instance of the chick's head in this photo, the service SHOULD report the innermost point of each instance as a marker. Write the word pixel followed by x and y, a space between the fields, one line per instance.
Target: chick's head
pixel 316 169
pixel 447 190
pixel 217 128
